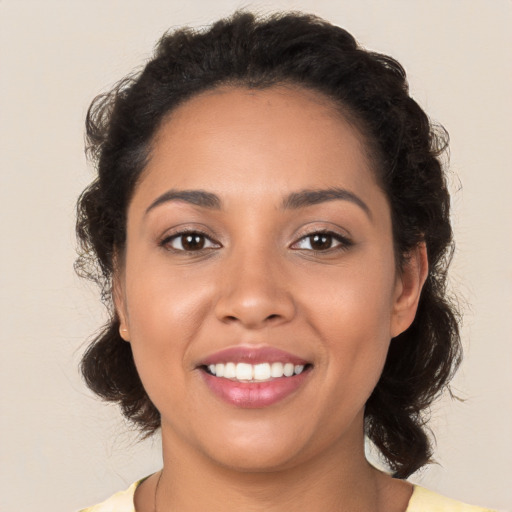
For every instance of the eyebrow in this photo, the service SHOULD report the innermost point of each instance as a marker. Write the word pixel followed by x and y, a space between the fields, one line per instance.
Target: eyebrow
pixel 195 197
pixel 306 198
pixel 293 201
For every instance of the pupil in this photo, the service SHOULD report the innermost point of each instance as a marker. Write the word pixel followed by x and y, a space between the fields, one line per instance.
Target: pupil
pixel 321 241
pixel 193 242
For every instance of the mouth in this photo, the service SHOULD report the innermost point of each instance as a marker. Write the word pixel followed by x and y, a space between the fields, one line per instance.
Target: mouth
pixel 261 372
pixel 253 378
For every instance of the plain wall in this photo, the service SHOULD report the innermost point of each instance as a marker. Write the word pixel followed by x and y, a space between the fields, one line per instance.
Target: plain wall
pixel 60 448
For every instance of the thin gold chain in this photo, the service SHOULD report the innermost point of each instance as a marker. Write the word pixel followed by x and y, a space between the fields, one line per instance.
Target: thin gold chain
pixel 156 488
pixel 160 478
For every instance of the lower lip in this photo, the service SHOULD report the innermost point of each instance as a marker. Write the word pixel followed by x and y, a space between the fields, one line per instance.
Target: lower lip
pixel 254 395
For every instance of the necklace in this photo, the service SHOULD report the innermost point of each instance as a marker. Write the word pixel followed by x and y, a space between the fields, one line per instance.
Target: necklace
pixel 158 483
pixel 156 488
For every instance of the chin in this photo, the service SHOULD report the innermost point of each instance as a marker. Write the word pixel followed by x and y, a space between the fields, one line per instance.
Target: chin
pixel 255 460
pixel 254 450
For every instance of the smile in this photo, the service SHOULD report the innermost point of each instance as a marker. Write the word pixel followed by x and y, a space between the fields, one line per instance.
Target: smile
pixel 255 372
pixel 254 378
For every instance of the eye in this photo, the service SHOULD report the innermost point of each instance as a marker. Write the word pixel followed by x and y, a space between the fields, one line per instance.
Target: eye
pixel 189 241
pixel 322 241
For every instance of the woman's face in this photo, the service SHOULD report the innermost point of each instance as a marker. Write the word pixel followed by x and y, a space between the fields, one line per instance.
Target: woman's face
pixel 259 245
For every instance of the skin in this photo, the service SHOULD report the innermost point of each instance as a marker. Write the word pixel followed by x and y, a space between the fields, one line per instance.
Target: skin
pixel 257 282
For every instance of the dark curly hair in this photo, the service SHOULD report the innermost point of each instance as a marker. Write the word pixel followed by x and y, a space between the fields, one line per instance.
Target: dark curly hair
pixel 371 90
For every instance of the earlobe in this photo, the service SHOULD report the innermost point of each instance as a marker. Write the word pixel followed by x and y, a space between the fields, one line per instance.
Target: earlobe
pixel 123 332
pixel 409 285
pixel 120 306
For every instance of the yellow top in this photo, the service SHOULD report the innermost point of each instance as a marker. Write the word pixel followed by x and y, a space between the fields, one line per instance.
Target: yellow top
pixel 422 500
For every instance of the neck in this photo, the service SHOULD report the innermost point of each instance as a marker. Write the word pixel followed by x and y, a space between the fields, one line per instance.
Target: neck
pixel 339 479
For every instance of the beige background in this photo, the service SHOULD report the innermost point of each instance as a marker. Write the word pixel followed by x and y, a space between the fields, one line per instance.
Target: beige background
pixel 60 448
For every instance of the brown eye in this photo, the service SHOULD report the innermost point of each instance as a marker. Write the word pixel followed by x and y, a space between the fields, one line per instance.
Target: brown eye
pixel 190 242
pixel 322 242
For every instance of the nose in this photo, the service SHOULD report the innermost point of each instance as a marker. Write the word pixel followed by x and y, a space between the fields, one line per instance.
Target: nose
pixel 254 292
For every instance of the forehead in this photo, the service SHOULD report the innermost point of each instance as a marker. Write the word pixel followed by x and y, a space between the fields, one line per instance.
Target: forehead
pixel 234 140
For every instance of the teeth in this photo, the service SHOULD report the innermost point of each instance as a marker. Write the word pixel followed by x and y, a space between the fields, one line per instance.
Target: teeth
pixel 288 369
pixel 243 371
pixel 257 372
pixel 299 368
pixel 261 371
pixel 276 370
pixel 229 371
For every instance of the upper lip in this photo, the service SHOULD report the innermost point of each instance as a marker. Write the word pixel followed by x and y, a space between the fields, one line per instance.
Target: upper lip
pixel 252 355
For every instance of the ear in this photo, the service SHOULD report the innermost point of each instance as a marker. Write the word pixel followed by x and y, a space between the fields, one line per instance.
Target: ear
pixel 408 289
pixel 119 298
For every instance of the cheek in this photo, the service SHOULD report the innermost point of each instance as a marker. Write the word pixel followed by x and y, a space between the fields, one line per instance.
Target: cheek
pixel 355 302
pixel 352 312
pixel 161 302
pixel 357 348
pixel 164 316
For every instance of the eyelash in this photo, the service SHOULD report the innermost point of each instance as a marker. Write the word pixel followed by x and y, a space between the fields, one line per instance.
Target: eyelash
pixel 344 243
pixel 165 243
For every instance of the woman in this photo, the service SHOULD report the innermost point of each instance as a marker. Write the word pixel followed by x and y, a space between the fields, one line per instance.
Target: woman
pixel 271 224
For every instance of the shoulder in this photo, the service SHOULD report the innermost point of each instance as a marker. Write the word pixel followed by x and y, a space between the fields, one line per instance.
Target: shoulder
pixel 120 502
pixel 424 500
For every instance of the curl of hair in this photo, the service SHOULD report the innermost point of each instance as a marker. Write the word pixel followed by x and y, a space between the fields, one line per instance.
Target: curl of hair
pixel 371 91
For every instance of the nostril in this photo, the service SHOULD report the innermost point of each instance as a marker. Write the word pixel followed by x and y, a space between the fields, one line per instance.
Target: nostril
pixel 233 318
pixel 254 309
